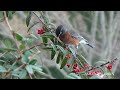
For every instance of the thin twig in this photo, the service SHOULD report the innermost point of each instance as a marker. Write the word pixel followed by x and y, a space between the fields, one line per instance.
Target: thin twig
pixel 6 19
pixel 35 46
pixel 102 64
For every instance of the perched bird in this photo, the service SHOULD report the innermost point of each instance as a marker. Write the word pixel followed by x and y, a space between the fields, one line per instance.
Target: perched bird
pixel 70 37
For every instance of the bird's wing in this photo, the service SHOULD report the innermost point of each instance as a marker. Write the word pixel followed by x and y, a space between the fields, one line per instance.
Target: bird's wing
pixel 76 35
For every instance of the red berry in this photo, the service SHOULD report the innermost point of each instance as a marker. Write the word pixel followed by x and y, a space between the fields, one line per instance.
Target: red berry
pixel 80 70
pixel 40 31
pixel 67 56
pixel 68 65
pixel 109 67
pixel 75 70
pixel 86 66
pixel 70 56
pixel 74 67
pixel 88 72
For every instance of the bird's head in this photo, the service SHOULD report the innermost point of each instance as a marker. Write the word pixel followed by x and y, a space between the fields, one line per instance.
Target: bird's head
pixel 60 30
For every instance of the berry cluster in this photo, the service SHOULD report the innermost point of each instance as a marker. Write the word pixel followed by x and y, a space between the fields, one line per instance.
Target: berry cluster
pixel 90 72
pixel 68 57
pixel 40 31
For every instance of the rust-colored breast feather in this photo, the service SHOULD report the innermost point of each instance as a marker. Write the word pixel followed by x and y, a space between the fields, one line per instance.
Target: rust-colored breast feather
pixel 68 39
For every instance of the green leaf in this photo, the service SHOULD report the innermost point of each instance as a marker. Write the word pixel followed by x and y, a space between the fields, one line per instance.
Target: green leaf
pixel 18 37
pixel 84 60
pixel 33 62
pixel 72 76
pixel 2 61
pixel 47 20
pixel 53 52
pixel 22 46
pixel 72 51
pixel 15 73
pixel 30 41
pixel 58 57
pixel 7 49
pixel 100 62
pixel 64 61
pixel 29 69
pixel 61 49
pixel 34 36
pixel 28 18
pixel 24 59
pixel 36 68
pixel 23 74
pixel 54 47
pixel 7 43
pixel 45 40
pixel 9 14
pixel 51 36
pixel 2 69
pixel 69 77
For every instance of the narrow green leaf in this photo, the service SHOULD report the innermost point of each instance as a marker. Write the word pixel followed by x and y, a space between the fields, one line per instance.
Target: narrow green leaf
pixel 29 69
pixel 15 73
pixel 45 40
pixel 23 74
pixel 69 77
pixel 51 36
pixel 84 60
pixel 9 14
pixel 34 36
pixel 64 61
pixel 72 50
pixel 53 52
pixel 58 57
pixel 24 59
pixel 2 69
pixel 47 20
pixel 28 18
pixel 100 62
pixel 2 61
pixel 7 43
pixel 18 37
pixel 22 46
pixel 74 76
pixel 8 49
pixel 54 47
pixel 61 49
pixel 36 68
pixel 33 62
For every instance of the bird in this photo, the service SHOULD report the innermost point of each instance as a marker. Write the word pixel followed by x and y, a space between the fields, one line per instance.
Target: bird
pixel 70 37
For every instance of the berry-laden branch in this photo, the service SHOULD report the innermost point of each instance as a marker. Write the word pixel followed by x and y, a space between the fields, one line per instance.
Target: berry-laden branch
pixel 81 65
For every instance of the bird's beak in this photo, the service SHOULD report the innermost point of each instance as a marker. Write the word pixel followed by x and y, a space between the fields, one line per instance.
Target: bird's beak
pixel 89 45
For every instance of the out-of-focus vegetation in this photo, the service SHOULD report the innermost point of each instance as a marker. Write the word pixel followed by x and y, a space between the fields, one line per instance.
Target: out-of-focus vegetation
pixel 100 28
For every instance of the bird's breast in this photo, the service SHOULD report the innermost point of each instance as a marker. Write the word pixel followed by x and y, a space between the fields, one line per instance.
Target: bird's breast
pixel 68 39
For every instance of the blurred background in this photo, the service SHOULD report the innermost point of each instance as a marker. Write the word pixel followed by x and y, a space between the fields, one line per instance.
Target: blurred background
pixel 100 28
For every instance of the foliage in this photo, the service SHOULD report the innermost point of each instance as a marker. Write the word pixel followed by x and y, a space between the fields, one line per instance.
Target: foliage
pixel 19 62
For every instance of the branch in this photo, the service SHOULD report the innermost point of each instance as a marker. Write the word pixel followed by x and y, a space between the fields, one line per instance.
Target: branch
pixel 6 19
